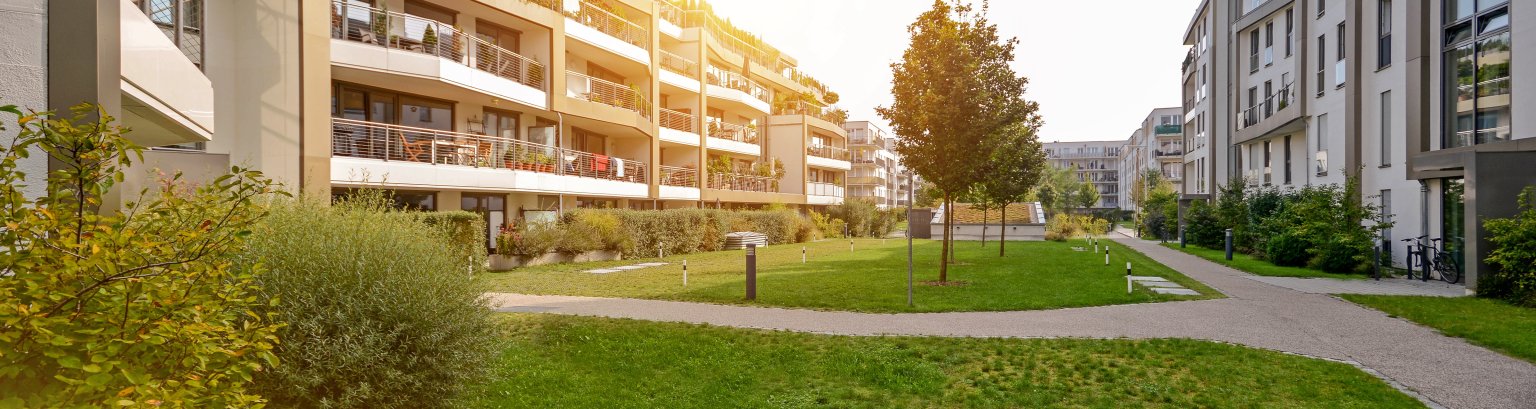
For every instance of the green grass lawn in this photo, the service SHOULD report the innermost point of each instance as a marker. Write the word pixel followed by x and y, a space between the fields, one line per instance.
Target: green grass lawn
pixel 1494 324
pixel 872 278
pixel 582 362
pixel 1253 265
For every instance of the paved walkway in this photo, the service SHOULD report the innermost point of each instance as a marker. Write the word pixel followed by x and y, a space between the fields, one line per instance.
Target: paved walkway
pixel 1441 370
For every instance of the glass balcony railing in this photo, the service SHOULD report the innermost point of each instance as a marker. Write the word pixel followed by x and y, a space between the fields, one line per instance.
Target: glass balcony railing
pixel 400 31
pixel 372 140
pixel 1169 129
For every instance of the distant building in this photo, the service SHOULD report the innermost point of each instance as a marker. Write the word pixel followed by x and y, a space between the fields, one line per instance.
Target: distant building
pixel 1096 162
pixel 1156 144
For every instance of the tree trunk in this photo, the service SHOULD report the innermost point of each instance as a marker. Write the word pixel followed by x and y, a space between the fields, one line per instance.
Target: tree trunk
pixel 944 253
pixel 1002 235
pixel 984 227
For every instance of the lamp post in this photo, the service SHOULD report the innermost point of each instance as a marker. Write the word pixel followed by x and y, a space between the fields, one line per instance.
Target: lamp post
pixel 910 186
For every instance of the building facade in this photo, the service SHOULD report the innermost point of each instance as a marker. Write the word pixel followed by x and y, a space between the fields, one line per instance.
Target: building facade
pixel 1094 162
pixel 1156 144
pixel 511 109
pixel 1414 99
pixel 876 167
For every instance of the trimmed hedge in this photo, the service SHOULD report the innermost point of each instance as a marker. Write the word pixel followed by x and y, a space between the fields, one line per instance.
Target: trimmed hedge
pixel 639 233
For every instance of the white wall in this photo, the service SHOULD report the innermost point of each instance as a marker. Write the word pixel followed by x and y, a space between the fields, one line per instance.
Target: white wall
pixel 23 60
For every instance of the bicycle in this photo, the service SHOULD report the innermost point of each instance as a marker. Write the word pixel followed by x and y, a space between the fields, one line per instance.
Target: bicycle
pixel 1413 255
pixel 1445 263
pixel 1424 252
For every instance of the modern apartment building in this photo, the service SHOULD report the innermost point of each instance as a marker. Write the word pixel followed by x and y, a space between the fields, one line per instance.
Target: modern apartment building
pixel 877 170
pixel 512 109
pixel 1156 144
pixel 1094 162
pixel 1416 99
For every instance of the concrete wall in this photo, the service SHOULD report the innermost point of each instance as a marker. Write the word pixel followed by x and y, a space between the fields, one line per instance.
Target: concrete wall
pixel 23 60
pixel 1020 232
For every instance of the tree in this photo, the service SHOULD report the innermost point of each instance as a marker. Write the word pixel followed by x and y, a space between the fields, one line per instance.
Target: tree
pixel 139 307
pixel 1015 169
pixel 953 93
pixel 1087 195
pixel 1059 189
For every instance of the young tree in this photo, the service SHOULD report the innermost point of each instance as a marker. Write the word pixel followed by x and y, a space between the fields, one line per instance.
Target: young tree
pixel 953 93
pixel 1087 195
pixel 1015 169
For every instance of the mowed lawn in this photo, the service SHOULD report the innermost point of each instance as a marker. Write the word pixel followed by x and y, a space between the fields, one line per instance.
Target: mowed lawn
pixel 1493 324
pixel 1253 265
pixel 582 362
pixel 871 278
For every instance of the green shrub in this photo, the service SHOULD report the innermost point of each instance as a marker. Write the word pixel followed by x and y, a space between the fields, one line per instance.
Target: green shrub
pixel 529 239
pixel 1286 250
pixel 378 315
pixel 591 230
pixel 860 215
pixel 1513 257
pixel 1231 212
pixel 1054 236
pixel 103 309
pixel 1201 226
pixel 466 230
pixel 682 231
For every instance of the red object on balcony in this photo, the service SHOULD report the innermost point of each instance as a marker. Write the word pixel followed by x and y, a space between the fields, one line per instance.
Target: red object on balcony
pixel 599 163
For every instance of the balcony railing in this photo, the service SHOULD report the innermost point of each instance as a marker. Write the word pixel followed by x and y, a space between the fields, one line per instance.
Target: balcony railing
pixel 823 189
pixel 680 121
pixel 678 64
pixel 736 181
pixel 400 31
pixel 725 78
pixel 679 176
pixel 671 13
pixel 588 88
pixel 803 108
pixel 738 133
pixel 1169 152
pixel 1275 102
pixel 371 140
pixel 592 15
pixel 863 159
pixel 1169 129
pixel 827 151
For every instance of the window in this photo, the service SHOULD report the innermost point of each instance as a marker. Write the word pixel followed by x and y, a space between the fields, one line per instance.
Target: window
pixel 1322 55
pixel 1290 30
pixel 1269 44
pixel 1322 6
pixel 181 21
pixel 1253 51
pixel 1477 64
pixel 1322 144
pixel 1338 65
pixel 1287 159
pixel 1386 129
pixel 1383 34
pixel 1267 151
pixel 1269 98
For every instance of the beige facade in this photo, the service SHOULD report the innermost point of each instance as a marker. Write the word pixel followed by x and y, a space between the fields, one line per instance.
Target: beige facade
pixel 1417 100
pixel 510 108
pixel 1094 162
pixel 877 175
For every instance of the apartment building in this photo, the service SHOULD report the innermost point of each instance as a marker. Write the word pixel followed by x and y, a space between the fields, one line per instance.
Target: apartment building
pixel 1156 144
pixel 877 171
pixel 1094 162
pixel 512 109
pixel 1415 99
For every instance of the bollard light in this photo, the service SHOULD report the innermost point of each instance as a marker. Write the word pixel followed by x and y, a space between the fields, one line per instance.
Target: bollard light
pixel 1106 255
pixel 1127 277
pixel 802 254
pixel 685 272
pixel 751 271
pixel 1229 244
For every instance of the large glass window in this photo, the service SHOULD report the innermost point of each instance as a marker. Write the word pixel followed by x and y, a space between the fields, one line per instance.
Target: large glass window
pixel 1383 33
pixel 1477 73
pixel 1452 217
pixel 1386 128
pixel 181 21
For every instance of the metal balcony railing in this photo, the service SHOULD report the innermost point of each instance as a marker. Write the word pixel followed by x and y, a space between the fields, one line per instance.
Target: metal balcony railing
pixel 679 176
pixel 738 133
pixel 827 151
pixel 677 64
pixel 1272 103
pixel 593 15
pixel 680 121
pixel 588 88
pixel 823 189
pixel 803 108
pixel 1169 152
pixel 864 159
pixel 671 13
pixel 371 140
pixel 736 181
pixel 725 78
pixel 363 24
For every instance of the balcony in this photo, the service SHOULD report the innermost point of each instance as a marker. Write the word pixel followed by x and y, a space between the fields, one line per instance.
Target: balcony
pixel 1167 153
pixel 422 157
pixel 165 96
pixel 833 116
pixel 672 19
pixel 735 87
pixel 591 24
pixel 678 127
pixel 1169 129
pixel 733 138
pixel 587 88
pixel 743 182
pixel 827 156
pixel 381 40
pixel 680 72
pixel 1272 104
pixel 818 193
pixel 679 182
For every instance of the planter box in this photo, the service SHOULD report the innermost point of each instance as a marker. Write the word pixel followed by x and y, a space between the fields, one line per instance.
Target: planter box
pixel 501 262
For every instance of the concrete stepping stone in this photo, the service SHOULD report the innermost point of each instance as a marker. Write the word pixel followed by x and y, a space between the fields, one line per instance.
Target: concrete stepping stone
pixel 651 264
pixel 1147 278
pixel 604 271
pixel 630 267
pixel 1161 284
pixel 1175 291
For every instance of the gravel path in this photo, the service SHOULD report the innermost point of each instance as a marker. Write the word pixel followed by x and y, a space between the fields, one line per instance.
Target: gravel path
pixel 1440 370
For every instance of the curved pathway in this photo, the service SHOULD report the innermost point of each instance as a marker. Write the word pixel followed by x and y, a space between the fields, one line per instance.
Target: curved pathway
pixel 1442 370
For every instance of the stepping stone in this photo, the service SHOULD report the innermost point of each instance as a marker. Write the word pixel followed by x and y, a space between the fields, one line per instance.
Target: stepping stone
pixel 1175 291
pixel 1147 278
pixel 1079 249
pixel 630 267
pixel 603 271
pixel 1162 284
pixel 651 264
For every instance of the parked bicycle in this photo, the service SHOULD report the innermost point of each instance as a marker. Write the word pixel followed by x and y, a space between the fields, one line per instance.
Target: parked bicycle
pixel 1426 253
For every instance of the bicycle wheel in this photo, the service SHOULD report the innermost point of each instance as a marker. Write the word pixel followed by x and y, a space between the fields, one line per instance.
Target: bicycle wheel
pixel 1449 271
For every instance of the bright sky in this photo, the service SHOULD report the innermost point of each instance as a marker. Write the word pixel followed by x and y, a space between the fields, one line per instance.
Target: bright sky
pixel 1096 67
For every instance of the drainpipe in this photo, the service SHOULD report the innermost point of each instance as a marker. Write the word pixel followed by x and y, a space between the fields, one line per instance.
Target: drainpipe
pixel 1424 207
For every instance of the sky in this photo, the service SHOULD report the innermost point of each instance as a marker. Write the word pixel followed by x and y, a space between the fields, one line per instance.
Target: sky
pixel 1097 68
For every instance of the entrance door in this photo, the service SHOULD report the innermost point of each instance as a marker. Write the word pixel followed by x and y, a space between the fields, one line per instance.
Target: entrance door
pixel 492 209
pixel 1453 218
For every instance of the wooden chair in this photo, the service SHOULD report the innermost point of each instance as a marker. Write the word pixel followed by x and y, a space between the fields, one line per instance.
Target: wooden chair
pixel 412 150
